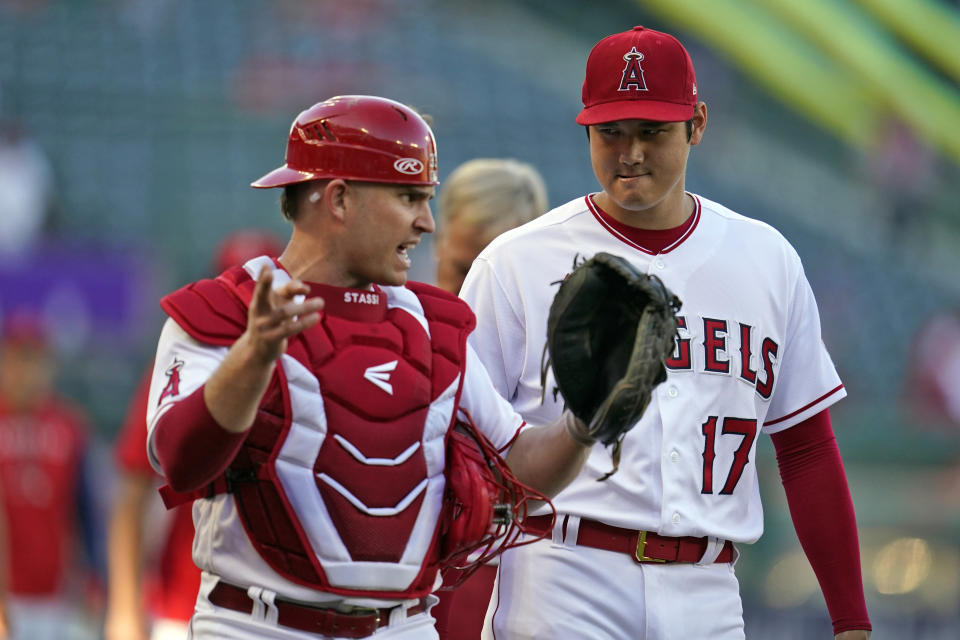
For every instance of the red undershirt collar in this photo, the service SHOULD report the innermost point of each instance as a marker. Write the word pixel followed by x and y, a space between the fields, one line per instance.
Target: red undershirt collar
pixel 651 241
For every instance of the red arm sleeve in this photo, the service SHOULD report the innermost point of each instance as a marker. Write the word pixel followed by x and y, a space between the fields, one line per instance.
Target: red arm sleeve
pixel 191 447
pixel 822 511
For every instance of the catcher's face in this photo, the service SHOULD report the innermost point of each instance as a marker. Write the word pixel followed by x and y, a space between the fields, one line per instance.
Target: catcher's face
pixel 385 221
pixel 641 166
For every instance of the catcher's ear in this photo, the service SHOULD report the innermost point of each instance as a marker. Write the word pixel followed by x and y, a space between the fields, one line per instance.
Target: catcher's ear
pixel 336 195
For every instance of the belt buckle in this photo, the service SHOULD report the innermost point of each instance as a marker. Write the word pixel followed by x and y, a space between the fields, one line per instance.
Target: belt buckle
pixel 639 554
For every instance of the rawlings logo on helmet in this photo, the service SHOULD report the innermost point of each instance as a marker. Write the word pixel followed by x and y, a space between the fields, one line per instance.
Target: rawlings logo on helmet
pixel 409 166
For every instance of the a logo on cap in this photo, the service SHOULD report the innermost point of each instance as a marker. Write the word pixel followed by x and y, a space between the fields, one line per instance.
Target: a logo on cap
pixel 632 73
pixel 409 166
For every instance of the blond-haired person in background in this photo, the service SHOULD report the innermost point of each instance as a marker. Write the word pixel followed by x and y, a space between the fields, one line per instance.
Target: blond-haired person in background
pixel 481 199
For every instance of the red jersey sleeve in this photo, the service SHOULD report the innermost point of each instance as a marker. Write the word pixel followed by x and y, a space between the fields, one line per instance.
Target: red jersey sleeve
pixel 130 448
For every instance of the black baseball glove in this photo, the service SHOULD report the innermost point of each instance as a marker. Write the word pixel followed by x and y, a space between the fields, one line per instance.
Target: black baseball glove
pixel 609 331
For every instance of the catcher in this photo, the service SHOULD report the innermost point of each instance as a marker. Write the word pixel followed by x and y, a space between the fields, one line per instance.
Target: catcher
pixel 340 439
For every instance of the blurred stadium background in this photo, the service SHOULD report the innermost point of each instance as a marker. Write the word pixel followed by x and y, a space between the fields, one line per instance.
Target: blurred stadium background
pixel 837 121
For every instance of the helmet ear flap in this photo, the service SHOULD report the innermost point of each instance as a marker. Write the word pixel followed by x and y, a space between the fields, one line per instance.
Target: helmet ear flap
pixel 364 138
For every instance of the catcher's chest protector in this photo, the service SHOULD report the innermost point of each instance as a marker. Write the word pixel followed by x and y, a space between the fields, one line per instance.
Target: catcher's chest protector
pixel 340 482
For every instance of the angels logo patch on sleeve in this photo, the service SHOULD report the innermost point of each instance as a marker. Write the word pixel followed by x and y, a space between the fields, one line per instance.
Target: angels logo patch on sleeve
pixel 172 387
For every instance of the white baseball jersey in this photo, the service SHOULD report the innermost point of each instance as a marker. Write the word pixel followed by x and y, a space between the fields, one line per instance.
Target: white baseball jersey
pixel 749 358
pixel 221 546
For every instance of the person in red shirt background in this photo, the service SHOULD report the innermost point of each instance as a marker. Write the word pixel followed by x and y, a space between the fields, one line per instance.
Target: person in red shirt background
pixel 43 443
pixel 161 601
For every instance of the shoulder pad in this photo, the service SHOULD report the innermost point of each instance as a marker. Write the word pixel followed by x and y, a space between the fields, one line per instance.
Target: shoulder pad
pixel 443 306
pixel 211 310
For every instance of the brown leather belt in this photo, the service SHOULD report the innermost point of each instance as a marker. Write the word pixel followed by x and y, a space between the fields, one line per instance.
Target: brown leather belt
pixel 360 623
pixel 642 546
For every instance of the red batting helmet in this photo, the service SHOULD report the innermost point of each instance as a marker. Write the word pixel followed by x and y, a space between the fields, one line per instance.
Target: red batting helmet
pixel 362 138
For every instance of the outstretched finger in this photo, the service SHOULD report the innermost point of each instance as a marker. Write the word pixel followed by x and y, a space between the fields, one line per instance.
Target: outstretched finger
pixel 282 321
pixel 260 302
pixel 296 324
pixel 292 289
pixel 280 310
pixel 277 331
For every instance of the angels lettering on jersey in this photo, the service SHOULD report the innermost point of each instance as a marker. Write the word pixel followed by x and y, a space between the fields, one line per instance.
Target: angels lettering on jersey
pixel 714 345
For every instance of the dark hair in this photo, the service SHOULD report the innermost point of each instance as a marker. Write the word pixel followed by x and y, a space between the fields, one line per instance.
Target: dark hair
pixel 290 199
pixel 688 123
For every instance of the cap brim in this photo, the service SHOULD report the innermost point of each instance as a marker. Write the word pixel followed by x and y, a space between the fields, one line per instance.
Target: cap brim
pixel 636 110
pixel 281 177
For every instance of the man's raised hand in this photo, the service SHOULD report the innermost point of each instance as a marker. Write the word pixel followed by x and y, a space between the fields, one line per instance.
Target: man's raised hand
pixel 275 315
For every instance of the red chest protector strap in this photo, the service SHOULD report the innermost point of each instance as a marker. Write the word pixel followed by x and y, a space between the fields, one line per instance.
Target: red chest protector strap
pixel 212 311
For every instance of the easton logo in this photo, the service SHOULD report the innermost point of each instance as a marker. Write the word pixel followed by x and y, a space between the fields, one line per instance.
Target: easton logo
pixel 409 166
pixel 380 375
pixel 173 381
pixel 632 73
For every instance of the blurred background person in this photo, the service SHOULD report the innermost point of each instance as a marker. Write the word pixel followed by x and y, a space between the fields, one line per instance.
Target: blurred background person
pixel 4 623
pixel 152 590
pixel 904 168
pixel 47 505
pixel 479 200
pixel 931 388
pixel 26 188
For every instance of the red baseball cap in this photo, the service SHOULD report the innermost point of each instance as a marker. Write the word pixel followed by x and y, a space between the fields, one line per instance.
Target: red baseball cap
pixel 24 328
pixel 639 74
pixel 243 245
